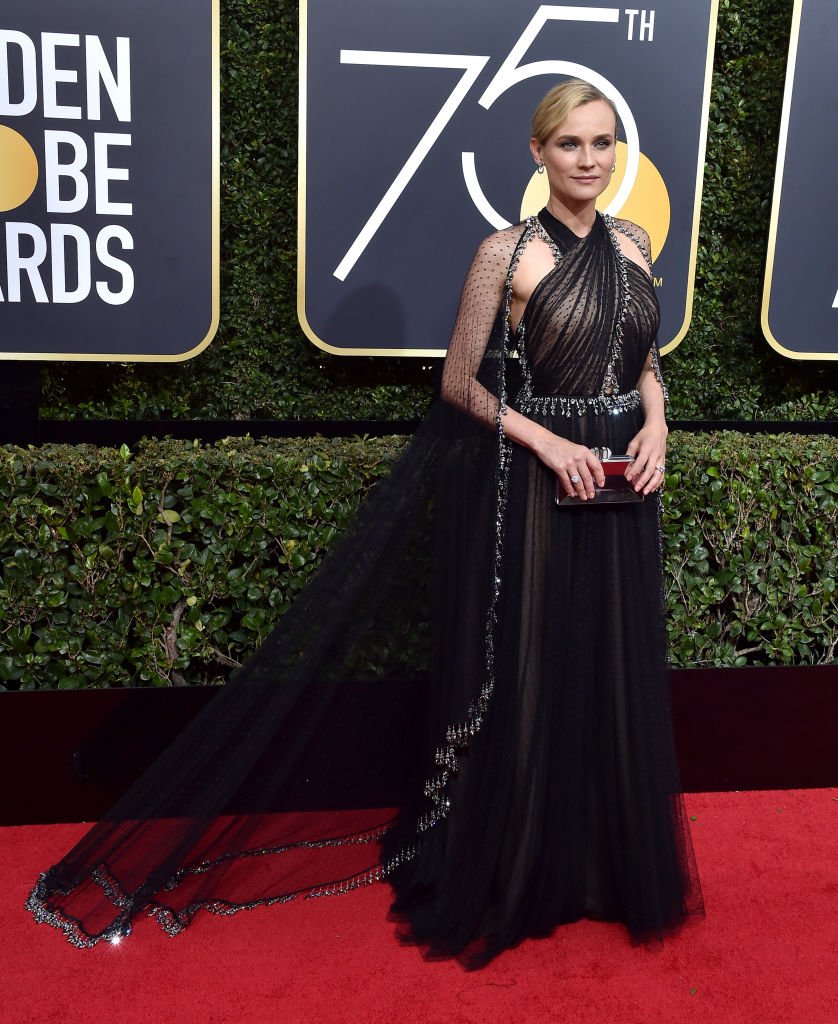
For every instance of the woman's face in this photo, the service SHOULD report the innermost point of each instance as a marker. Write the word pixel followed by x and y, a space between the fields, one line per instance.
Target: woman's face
pixel 579 155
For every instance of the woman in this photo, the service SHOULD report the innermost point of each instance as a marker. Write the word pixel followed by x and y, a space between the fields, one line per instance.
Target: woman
pixel 575 802
pixel 543 777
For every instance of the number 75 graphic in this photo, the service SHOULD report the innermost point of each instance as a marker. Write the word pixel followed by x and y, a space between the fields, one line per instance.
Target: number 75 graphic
pixel 511 72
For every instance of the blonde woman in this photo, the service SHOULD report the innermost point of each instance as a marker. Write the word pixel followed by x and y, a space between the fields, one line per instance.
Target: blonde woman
pixel 539 775
pixel 565 801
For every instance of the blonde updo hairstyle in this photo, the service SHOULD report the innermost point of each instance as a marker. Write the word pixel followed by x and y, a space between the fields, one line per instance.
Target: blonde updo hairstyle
pixel 552 112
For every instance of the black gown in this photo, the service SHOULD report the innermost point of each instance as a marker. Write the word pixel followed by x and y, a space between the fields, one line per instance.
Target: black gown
pixel 544 775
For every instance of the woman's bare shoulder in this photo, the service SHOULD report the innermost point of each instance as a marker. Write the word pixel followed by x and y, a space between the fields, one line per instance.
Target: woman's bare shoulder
pixel 637 241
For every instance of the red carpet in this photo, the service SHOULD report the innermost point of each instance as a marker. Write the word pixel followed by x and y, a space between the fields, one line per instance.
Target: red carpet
pixel 766 952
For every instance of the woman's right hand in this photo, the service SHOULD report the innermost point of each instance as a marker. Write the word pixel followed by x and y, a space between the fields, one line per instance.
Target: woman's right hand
pixel 567 460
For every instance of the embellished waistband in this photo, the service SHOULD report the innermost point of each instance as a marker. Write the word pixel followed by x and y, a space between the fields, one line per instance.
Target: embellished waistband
pixel 579 404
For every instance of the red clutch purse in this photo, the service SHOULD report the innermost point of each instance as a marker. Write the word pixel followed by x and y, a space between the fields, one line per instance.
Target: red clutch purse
pixel 617 490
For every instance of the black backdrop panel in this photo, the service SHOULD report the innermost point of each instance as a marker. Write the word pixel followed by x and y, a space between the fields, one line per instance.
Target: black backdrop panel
pixel 415 128
pixel 800 302
pixel 108 178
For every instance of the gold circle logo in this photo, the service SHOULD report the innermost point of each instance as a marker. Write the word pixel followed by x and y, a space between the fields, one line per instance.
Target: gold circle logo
pixel 18 169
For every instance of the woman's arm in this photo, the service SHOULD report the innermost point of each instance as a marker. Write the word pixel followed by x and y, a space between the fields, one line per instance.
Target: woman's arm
pixel 648 446
pixel 480 301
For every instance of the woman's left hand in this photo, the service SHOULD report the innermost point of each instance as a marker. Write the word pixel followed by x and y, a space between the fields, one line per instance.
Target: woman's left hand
pixel 648 447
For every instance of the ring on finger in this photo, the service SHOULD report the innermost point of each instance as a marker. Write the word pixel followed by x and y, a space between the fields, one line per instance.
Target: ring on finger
pixel 575 479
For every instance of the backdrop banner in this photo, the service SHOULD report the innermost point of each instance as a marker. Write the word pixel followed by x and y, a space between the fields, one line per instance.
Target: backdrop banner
pixel 414 145
pixel 109 234
pixel 800 296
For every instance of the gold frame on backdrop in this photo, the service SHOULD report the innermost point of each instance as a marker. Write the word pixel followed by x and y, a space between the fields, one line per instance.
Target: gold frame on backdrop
pixel 791 66
pixel 121 357
pixel 439 352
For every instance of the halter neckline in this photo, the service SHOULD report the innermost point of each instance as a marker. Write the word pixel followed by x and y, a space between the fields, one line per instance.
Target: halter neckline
pixel 560 232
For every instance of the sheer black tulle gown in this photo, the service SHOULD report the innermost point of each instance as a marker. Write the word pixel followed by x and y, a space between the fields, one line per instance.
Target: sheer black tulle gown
pixel 542 766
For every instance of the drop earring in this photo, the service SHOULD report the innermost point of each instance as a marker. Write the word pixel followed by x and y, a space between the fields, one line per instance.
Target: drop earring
pixel 540 169
pixel 614 167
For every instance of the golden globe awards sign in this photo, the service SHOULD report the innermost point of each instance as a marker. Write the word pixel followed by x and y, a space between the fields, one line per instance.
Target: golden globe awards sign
pixel 108 179
pixel 414 145
pixel 800 297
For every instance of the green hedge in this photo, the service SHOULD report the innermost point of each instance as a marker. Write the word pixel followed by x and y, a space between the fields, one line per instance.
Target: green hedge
pixel 261 365
pixel 752 549
pixel 166 565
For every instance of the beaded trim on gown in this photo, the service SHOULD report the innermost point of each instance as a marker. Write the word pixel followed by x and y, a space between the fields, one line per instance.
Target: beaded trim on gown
pixel 542 765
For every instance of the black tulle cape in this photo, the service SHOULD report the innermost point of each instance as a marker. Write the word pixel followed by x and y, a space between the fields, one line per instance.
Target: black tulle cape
pixel 539 773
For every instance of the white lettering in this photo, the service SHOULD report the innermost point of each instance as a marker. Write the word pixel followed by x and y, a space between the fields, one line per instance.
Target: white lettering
pixel 68 248
pixel 50 41
pixel 59 234
pixel 17 264
pixel 106 174
pixel 100 73
pixel 27 103
pixel 54 171
pixel 19 74
pixel 120 234
pixel 647 24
